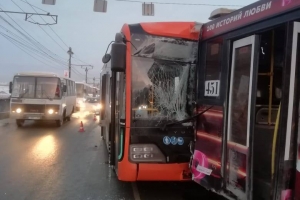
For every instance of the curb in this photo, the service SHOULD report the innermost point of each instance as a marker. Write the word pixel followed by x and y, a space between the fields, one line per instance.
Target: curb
pixel 3 124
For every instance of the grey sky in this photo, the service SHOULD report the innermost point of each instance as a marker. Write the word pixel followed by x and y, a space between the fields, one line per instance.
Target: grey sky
pixel 87 32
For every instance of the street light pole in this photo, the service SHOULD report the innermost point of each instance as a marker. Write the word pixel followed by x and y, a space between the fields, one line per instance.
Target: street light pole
pixel 70 56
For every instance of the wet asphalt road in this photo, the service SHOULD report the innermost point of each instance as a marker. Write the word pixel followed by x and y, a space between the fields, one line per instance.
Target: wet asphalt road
pixel 41 162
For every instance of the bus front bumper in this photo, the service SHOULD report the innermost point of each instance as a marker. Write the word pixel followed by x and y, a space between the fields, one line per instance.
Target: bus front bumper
pixel 164 172
pixel 35 116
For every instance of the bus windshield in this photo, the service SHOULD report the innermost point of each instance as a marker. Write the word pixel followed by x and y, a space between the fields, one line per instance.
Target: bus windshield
pixel 36 87
pixel 163 77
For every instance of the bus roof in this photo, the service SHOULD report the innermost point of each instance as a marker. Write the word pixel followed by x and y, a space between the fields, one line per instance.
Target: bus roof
pixel 187 30
pixel 41 74
pixel 258 11
pixel 220 12
pixel 83 83
pixel 36 74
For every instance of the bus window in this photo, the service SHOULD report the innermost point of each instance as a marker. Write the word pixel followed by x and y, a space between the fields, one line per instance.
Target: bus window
pixel 213 68
pixel 64 83
pixel 213 61
pixel 24 87
pixel 240 92
pixel 46 87
pixel 57 91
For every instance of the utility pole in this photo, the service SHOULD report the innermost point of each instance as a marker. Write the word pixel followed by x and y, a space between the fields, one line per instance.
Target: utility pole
pixel 70 56
pixel 86 69
pixel 94 81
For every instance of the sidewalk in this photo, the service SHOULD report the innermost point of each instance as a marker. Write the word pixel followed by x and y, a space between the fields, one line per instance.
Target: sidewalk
pixel 6 122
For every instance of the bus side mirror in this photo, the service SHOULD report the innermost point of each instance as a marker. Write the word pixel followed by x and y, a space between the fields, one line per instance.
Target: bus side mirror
pixel 106 58
pixel 10 87
pixel 118 54
pixel 65 88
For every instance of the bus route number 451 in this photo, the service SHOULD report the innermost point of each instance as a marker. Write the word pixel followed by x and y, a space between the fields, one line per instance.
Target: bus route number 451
pixel 212 88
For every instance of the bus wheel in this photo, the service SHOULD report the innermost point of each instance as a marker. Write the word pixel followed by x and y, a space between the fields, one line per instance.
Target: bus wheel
pixel 68 118
pixel 59 123
pixel 19 122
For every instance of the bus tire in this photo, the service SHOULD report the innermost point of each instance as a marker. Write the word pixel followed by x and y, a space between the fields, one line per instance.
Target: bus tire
pixel 59 123
pixel 69 117
pixel 19 122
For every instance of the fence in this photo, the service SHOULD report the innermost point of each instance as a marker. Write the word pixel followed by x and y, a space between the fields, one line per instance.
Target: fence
pixel 4 108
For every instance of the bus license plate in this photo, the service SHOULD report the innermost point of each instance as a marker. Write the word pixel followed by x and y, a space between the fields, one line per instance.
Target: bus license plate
pixel 34 117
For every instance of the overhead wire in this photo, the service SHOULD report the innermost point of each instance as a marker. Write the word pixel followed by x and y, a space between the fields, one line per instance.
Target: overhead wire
pixel 78 74
pixel 76 58
pixel 1 17
pixel 35 6
pixel 29 37
pixel 18 46
pixel 32 6
pixel 46 23
pixel 78 71
pixel 25 42
pixel 174 3
pixel 40 25
pixel 32 49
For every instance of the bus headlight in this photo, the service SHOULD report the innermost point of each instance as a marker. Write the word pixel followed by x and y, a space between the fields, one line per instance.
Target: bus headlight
pixel 146 153
pixel 50 111
pixel 18 110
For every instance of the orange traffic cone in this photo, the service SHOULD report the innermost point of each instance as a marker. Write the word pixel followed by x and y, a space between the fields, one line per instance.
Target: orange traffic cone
pixel 81 129
pixel 95 119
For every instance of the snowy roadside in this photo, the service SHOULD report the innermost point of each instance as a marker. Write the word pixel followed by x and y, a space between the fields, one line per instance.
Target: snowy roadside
pixel 5 122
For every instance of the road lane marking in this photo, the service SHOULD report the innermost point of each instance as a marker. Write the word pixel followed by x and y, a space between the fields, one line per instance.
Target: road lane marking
pixel 136 193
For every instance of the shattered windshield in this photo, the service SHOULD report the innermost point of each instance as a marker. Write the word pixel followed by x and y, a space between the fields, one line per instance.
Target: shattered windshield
pixel 163 75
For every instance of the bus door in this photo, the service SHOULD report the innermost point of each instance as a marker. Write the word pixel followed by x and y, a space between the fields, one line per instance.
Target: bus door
pixel 105 112
pixel 297 184
pixel 120 119
pixel 292 141
pixel 240 116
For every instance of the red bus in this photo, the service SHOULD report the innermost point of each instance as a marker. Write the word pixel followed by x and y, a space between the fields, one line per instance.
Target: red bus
pixel 248 141
pixel 146 88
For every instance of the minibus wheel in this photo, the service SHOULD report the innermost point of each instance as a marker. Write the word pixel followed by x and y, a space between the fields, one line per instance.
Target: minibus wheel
pixel 59 123
pixel 19 122
pixel 68 118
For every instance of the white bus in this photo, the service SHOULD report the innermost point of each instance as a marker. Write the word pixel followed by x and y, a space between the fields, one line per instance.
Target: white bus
pixel 42 96
pixel 83 91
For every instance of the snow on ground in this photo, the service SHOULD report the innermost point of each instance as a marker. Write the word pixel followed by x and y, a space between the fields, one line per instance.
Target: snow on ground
pixel 4 92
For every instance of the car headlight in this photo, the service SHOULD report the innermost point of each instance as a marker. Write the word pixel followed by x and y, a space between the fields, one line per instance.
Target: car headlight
pixel 146 153
pixel 50 111
pixel 19 110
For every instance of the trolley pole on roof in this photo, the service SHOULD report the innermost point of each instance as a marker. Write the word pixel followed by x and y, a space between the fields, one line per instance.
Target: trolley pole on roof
pixel 70 56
